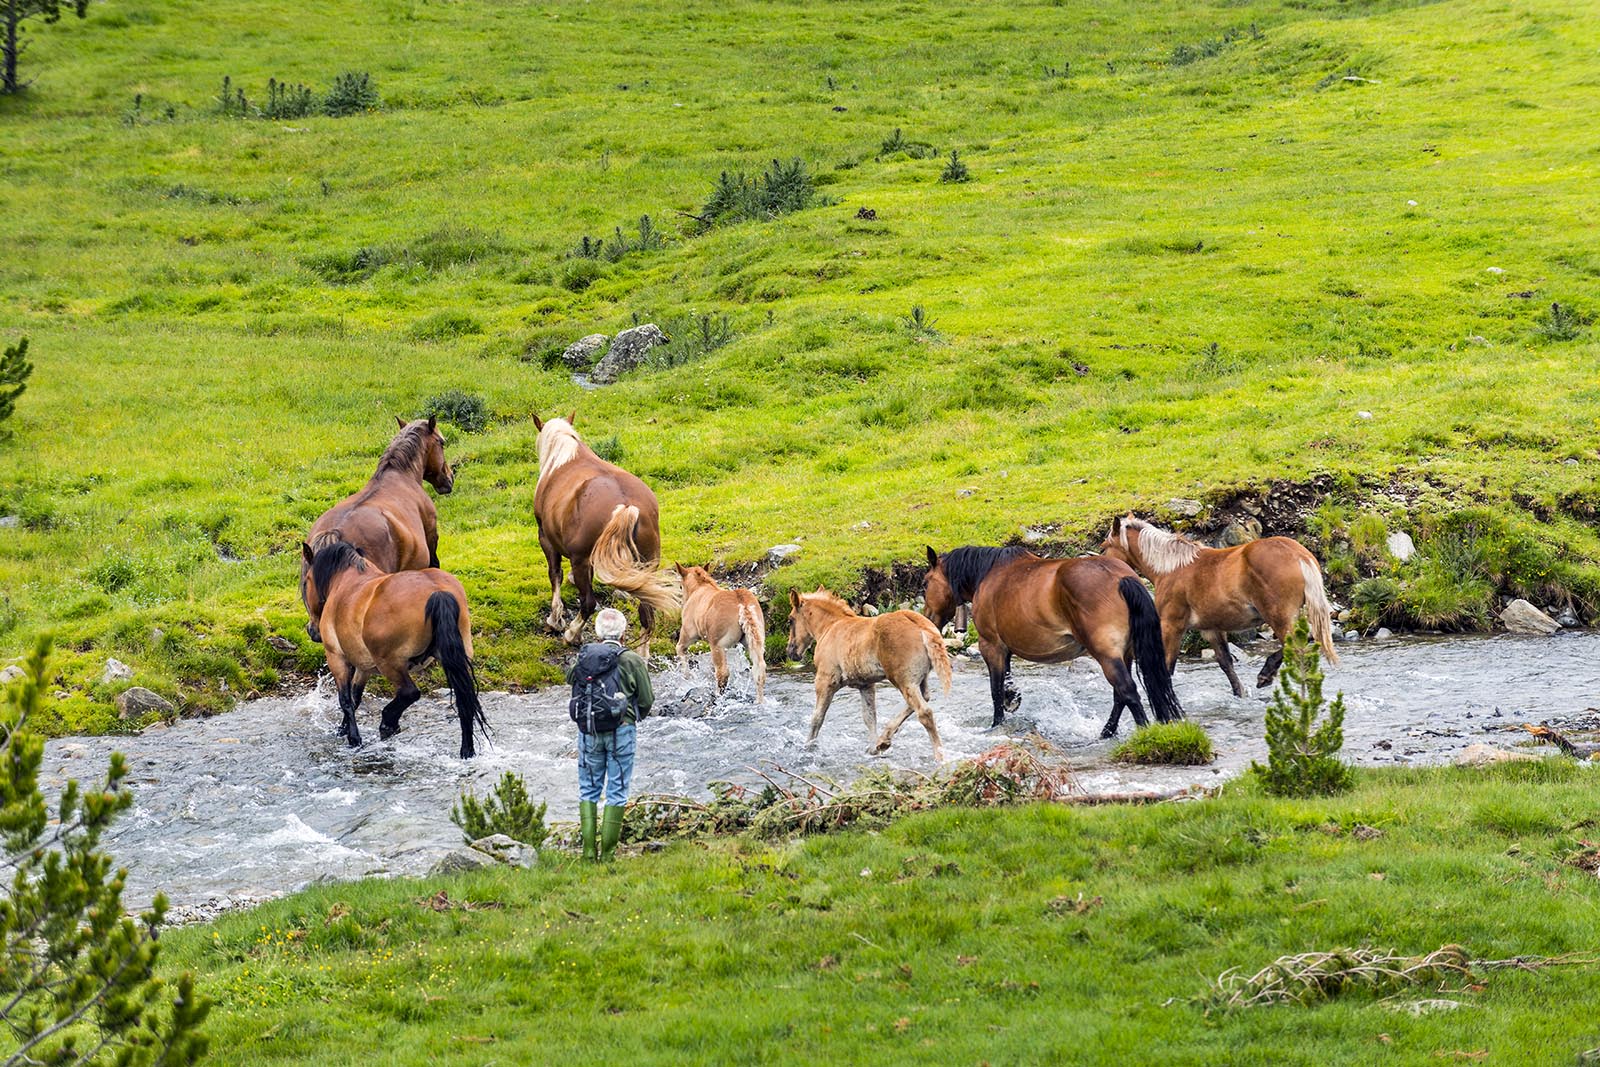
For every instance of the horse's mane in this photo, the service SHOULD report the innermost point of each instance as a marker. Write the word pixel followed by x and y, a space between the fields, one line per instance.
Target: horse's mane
pixel 405 451
pixel 827 599
pixel 969 565
pixel 1162 550
pixel 558 443
pixel 332 559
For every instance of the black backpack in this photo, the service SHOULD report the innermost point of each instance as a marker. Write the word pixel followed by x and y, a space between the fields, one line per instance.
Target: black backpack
pixel 598 703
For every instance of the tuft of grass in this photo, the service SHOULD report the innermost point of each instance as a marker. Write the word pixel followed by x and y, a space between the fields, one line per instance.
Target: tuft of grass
pixel 444 326
pixel 1178 744
pixel 469 412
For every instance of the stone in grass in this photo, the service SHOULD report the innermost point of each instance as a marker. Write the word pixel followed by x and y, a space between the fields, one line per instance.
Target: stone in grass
pixel 627 352
pixel 1481 755
pixel 506 850
pixel 581 354
pixel 10 674
pixel 1176 744
pixel 137 702
pixel 461 860
pixel 116 671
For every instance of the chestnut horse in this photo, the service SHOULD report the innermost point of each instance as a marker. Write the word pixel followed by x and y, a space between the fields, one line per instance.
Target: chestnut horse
pixel 603 519
pixel 899 647
pixel 1051 611
pixel 378 623
pixel 1218 590
pixel 726 618
pixel 391 519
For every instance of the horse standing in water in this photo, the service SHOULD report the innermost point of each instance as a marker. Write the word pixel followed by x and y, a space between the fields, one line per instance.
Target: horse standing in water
pixel 603 519
pixel 392 520
pixel 725 618
pixel 899 647
pixel 373 622
pixel 1219 590
pixel 1051 611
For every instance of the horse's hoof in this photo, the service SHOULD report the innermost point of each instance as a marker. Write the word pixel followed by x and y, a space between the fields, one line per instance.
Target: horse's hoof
pixel 354 739
pixel 1261 683
pixel 1108 733
pixel 386 732
pixel 467 752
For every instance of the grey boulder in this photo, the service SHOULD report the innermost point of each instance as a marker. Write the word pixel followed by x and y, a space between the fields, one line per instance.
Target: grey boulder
pixel 581 354
pixel 1521 617
pixel 628 350
pixel 139 701
pixel 462 860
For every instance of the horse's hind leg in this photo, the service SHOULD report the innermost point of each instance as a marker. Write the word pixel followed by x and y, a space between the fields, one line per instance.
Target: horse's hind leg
pixel 552 557
pixel 719 662
pixel 998 659
pixel 583 578
pixel 647 630
pixel 1281 625
pixel 915 704
pixel 1125 694
pixel 406 694
pixel 1219 642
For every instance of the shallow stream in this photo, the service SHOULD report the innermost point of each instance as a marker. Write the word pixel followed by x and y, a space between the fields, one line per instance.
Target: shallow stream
pixel 264 799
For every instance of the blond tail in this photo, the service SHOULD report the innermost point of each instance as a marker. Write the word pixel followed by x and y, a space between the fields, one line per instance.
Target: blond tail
pixel 938 655
pixel 1317 611
pixel 615 559
pixel 755 643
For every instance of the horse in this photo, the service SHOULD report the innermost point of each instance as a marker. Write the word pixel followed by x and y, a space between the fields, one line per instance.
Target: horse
pixel 392 520
pixel 1051 611
pixel 900 647
pixel 603 519
pixel 376 622
pixel 1218 590
pixel 726 618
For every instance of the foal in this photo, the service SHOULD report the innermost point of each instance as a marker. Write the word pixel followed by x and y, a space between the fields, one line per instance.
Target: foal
pixel 1219 590
pixel 900 647
pixel 726 618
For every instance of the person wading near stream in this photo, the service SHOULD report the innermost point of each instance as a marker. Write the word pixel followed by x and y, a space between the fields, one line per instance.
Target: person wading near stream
pixel 610 694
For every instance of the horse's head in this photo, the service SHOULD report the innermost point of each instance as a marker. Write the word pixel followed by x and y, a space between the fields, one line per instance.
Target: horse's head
pixel 939 601
pixel 435 468
pixel 800 632
pixel 1116 543
pixel 695 578
pixel 318 568
pixel 310 595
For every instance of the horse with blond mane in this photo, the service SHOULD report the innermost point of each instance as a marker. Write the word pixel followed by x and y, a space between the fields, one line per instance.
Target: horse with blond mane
pixel 391 519
pixel 606 521
pixel 899 647
pixel 1219 590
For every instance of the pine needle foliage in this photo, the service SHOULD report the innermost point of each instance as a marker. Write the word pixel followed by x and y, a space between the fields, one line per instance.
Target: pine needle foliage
pixel 955 169
pixel 14 372
pixel 1303 752
pixel 351 94
pixel 77 975
pixel 779 190
pixel 508 810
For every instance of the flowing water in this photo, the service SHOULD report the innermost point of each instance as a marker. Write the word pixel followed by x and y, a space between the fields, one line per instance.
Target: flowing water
pixel 265 799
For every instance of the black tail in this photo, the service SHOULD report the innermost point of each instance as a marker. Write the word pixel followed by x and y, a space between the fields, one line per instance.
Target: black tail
pixel 1145 629
pixel 444 615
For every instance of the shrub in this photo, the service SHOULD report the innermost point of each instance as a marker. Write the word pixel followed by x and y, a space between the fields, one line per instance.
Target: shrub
pixel 77 982
pixel 231 101
pixel 691 337
pixel 1373 601
pixel 1179 744
pixel 1560 323
pixel 587 248
pixel 1303 754
pixel 576 275
pixel 896 143
pixel 648 239
pixel 467 411
pixel 14 373
pixel 920 325
pixel 285 101
pixel 352 93
pixel 444 326
pixel 608 448
pixel 505 811
pixel 954 169
pixel 779 190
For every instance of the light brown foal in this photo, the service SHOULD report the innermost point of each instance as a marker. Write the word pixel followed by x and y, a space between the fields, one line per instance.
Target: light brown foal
pixel 899 647
pixel 725 618
pixel 1220 590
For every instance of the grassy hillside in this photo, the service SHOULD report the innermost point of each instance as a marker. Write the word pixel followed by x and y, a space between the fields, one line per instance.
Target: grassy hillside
pixel 1044 934
pixel 1200 240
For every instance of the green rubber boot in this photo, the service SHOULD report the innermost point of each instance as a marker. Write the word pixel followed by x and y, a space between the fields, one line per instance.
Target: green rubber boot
pixel 610 832
pixel 586 825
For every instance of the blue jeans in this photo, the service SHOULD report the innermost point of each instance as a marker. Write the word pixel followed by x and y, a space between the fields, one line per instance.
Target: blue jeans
pixel 606 761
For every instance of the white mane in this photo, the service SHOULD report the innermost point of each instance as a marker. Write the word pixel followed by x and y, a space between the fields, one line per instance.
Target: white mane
pixel 558 443
pixel 1161 550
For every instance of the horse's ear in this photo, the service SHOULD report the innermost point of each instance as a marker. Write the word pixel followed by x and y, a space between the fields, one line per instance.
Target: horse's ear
pixel 433 422
pixel 933 557
pixel 1116 526
pixel 679 568
pixel 401 421
pixel 538 423
pixel 306 553
pixel 794 598
pixel 572 419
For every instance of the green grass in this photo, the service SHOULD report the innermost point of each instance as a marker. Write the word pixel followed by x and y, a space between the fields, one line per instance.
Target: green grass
pixel 1040 934
pixel 227 313
pixel 1176 743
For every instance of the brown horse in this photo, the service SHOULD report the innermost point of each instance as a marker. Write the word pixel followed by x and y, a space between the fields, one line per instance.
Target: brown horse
pixel 1051 611
pixel 1218 590
pixel 603 519
pixel 378 623
pixel 726 618
pixel 392 520
pixel 899 647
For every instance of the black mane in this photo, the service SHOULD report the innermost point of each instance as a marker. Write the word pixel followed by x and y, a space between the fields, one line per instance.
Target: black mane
pixel 405 451
pixel 331 560
pixel 967 566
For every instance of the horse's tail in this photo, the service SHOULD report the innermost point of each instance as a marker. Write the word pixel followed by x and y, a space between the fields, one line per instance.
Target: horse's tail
pixel 755 643
pixel 444 615
pixel 1144 628
pixel 938 655
pixel 1318 613
pixel 616 562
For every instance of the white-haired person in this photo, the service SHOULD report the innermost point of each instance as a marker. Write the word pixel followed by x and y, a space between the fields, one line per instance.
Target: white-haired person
pixel 610 694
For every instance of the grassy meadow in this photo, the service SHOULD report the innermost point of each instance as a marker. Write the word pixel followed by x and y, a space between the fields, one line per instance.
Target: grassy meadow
pixel 1204 246
pixel 1042 934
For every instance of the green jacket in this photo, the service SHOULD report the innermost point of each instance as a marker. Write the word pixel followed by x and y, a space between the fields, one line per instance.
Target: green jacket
pixel 633 678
